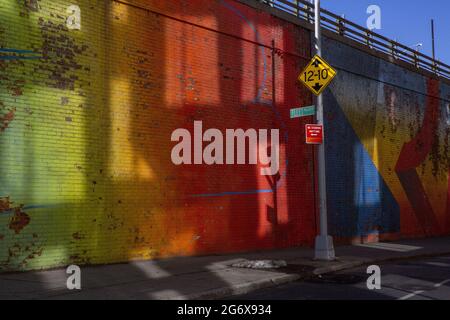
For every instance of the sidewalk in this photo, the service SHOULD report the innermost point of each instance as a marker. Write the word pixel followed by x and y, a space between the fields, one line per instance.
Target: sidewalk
pixel 209 277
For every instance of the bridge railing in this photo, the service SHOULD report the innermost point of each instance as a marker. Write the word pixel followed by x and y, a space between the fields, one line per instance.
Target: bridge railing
pixel 337 24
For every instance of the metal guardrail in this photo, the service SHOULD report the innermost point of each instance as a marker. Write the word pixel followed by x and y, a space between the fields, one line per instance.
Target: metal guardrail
pixel 343 27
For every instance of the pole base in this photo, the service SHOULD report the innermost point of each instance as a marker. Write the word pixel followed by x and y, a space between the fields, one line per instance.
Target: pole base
pixel 324 249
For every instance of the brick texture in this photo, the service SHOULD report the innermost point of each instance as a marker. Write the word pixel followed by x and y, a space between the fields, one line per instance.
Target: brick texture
pixel 87 116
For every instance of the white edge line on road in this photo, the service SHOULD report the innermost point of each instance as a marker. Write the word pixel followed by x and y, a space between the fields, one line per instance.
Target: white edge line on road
pixel 415 293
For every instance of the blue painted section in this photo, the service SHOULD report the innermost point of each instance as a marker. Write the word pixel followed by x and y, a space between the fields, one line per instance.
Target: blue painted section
pixel 8 50
pixel 359 201
pixel 18 58
pixel 18 51
pixel 31 207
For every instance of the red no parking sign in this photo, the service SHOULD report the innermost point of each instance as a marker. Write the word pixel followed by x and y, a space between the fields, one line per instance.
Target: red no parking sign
pixel 314 133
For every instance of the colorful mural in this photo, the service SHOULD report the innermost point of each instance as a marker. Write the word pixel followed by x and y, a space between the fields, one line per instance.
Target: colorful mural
pixel 387 151
pixel 91 91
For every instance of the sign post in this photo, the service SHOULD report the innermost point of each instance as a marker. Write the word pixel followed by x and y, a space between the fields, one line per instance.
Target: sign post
pixel 324 249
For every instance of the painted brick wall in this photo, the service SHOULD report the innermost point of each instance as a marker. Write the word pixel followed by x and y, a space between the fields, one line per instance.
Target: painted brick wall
pixel 388 153
pixel 86 120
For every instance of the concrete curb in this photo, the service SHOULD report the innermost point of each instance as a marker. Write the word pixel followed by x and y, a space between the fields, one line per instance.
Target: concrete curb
pixel 245 288
pixel 344 266
pixel 241 288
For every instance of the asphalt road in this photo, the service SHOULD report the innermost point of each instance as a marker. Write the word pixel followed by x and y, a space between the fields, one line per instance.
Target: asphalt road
pixel 424 279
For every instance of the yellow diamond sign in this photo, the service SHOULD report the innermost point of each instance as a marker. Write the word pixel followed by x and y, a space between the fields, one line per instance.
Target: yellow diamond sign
pixel 317 75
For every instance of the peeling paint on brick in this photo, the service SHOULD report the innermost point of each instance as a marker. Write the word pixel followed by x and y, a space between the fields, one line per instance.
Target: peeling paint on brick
pixel 19 220
pixel 5 204
pixel 78 235
pixel 59 51
pixel 19 256
pixel 90 149
pixel 64 101
pixel 6 119
pixel 33 5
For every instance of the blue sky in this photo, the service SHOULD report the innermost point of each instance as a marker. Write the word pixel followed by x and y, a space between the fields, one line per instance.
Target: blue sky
pixel 408 21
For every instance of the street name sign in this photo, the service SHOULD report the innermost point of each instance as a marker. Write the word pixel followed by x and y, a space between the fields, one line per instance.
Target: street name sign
pixel 303 112
pixel 317 75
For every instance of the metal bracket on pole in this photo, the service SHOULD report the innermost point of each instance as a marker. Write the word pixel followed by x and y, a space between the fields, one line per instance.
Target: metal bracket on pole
pixel 324 249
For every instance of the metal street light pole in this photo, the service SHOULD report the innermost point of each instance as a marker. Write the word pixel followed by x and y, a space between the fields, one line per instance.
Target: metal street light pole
pixel 432 41
pixel 324 249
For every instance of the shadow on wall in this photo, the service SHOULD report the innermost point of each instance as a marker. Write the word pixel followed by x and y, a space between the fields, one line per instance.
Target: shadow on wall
pixel 32 67
pixel 101 186
pixel 386 159
pixel 201 209
pixel 115 194
pixel 360 203
pixel 127 210
pixel 168 210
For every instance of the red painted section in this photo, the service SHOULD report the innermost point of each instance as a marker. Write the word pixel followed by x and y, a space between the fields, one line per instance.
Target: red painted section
pixel 257 58
pixel 413 154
